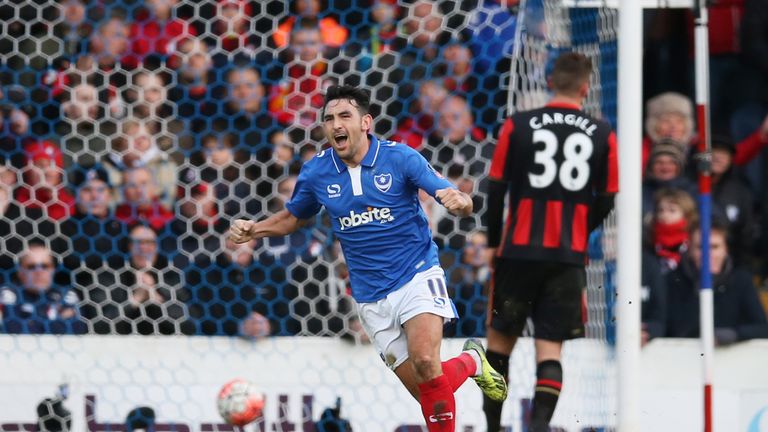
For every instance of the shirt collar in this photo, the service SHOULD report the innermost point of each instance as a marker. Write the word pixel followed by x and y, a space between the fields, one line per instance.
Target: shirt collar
pixel 369 160
pixel 564 105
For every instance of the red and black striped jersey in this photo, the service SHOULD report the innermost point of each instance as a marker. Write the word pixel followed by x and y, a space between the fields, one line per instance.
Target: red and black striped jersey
pixel 554 162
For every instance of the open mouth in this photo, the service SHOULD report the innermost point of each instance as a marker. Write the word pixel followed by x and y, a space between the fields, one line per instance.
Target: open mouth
pixel 341 139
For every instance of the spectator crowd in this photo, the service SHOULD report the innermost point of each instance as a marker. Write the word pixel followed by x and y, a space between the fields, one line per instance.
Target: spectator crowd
pixel 134 133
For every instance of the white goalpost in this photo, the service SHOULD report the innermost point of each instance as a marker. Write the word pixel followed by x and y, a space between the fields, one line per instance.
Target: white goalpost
pixel 628 204
pixel 628 122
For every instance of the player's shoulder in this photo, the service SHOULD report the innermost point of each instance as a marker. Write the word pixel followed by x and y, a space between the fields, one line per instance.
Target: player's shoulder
pixel 321 161
pixel 394 148
pixel 398 154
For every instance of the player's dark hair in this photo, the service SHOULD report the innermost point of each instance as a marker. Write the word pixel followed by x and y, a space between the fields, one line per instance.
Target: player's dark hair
pixel 358 97
pixel 570 72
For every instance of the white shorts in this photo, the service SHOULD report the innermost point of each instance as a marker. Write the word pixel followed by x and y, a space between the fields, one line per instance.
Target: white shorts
pixel 384 319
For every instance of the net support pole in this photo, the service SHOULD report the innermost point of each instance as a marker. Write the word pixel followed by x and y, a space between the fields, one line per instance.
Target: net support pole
pixel 706 304
pixel 628 206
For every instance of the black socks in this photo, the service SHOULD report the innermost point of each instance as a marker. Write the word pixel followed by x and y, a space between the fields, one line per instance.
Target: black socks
pixel 549 381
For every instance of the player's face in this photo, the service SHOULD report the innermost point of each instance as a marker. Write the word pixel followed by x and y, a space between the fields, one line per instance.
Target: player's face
pixel 346 130
pixel 718 250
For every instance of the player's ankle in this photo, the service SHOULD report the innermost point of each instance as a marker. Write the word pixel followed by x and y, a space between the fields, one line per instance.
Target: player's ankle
pixel 478 361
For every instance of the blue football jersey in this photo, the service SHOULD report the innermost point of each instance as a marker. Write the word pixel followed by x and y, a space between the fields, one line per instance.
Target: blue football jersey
pixel 375 213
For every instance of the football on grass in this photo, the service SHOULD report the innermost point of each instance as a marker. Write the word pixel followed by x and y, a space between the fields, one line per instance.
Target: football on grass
pixel 240 402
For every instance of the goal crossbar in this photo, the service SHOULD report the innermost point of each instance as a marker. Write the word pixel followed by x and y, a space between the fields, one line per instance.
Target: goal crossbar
pixel 645 4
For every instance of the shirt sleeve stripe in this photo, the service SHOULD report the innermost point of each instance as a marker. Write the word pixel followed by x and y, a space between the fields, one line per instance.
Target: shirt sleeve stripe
pixel 612 185
pixel 499 162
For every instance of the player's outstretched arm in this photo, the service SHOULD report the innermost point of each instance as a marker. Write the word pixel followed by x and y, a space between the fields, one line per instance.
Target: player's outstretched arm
pixel 455 201
pixel 279 224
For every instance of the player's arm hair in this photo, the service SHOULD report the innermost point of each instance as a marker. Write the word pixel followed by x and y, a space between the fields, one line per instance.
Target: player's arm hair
pixel 600 208
pixel 279 224
pixel 497 191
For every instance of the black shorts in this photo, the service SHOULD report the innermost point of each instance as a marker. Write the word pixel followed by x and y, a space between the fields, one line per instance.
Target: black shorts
pixel 550 293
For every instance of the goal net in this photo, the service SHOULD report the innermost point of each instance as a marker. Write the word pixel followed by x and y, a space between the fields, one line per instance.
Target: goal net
pixel 546 28
pixel 178 117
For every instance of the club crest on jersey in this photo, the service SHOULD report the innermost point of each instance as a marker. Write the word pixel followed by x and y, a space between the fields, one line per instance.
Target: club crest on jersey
pixel 334 190
pixel 383 182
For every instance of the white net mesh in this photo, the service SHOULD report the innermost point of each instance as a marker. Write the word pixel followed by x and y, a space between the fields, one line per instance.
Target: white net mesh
pixel 134 132
pixel 545 29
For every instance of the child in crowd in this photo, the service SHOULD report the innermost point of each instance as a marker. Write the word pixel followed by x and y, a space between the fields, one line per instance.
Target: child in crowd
pixel 673 218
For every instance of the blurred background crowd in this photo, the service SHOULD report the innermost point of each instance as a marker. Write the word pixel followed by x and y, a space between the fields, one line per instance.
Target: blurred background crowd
pixel 133 132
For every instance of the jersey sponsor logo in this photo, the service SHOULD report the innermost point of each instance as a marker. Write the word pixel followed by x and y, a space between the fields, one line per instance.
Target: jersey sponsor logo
pixel 439 293
pixel 371 215
pixel 383 182
pixel 334 190
pixel 441 417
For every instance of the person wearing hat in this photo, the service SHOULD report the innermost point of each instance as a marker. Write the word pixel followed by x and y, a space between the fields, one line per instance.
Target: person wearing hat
pixel 43 186
pixel 665 168
pixel 669 116
pixel 733 199
pixel 93 231
pixel 92 237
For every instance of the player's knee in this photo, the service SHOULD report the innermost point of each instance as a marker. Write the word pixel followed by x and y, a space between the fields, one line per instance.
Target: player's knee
pixel 427 366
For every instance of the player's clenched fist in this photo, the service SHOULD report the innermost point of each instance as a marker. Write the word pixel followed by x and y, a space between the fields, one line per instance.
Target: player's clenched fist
pixel 240 231
pixel 455 201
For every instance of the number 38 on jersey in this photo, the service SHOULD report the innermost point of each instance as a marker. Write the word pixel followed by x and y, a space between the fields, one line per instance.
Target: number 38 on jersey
pixel 573 172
